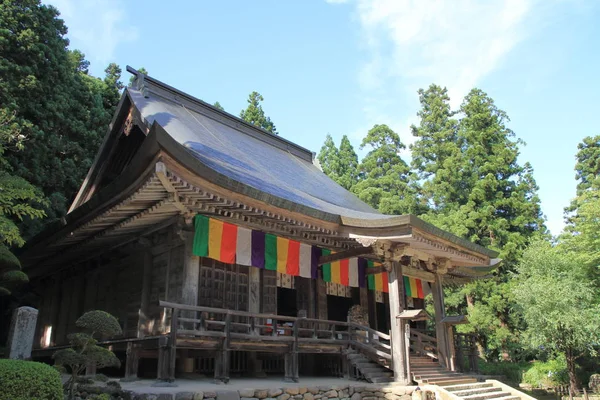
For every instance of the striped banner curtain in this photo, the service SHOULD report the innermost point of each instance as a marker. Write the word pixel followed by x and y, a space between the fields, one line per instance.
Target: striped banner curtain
pixel 234 244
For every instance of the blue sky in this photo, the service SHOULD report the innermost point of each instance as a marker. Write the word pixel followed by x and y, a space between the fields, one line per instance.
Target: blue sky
pixel 341 66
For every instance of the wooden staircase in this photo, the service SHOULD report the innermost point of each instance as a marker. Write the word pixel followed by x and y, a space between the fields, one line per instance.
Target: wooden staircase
pixel 427 371
pixel 368 369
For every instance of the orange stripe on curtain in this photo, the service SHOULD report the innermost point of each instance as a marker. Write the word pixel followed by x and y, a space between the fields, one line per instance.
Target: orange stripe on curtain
pixel 385 282
pixel 215 237
pixel 282 254
pixel 228 243
pixel 293 258
pixel 344 272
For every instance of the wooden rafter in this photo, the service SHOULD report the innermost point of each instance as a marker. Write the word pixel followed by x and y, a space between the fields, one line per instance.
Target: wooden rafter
pixel 342 255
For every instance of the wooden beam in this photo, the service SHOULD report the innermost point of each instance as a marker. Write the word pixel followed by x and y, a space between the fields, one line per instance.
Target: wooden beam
pixel 400 363
pixel 342 255
pixel 375 270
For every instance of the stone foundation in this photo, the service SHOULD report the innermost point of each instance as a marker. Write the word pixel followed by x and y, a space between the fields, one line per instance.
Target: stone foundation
pixel 348 392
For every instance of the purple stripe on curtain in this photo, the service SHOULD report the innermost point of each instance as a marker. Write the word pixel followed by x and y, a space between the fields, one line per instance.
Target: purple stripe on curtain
pixel 314 261
pixel 362 272
pixel 258 249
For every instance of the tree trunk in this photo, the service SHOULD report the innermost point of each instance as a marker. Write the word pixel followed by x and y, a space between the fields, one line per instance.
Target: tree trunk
pixel 505 352
pixel 573 383
pixel 478 343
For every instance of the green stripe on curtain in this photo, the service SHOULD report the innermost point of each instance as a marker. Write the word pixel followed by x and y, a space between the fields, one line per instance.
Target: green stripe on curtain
pixel 326 267
pixel 200 246
pixel 271 252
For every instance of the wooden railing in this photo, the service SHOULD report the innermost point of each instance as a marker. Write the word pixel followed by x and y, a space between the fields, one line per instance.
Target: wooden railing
pixel 229 325
pixel 423 344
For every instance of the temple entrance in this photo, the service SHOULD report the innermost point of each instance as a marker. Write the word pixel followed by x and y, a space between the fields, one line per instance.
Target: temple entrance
pixel 286 302
pixel 337 307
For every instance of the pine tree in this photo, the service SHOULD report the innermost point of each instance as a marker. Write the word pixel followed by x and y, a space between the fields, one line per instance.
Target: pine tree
pixel 437 147
pixel 481 193
pixel 59 110
pixel 348 160
pixel 218 105
pixel 385 176
pixel 255 114
pixel 329 159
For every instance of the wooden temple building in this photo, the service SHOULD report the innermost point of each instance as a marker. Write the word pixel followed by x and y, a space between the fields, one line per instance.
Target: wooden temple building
pixel 224 249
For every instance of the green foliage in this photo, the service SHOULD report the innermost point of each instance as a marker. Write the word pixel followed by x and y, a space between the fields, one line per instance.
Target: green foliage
pixel 543 374
pixel 99 322
pixel 28 380
pixel 255 114
pixel 10 271
pixel 476 189
pixel 84 349
pixel 558 303
pixel 218 106
pixel 341 164
pixel 53 113
pixel 513 371
pixel 384 176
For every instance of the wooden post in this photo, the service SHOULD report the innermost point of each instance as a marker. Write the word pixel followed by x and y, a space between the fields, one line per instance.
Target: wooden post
pixel 163 359
pixel 397 332
pixel 144 318
pixel 132 361
pixel 254 297
pixel 585 395
pixel 173 344
pixel 440 312
pixel 191 274
pixel 450 345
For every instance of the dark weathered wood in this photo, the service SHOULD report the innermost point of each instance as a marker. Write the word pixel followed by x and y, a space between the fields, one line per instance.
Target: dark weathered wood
pixel 173 344
pixel 375 270
pixel 163 359
pixel 397 332
pixel 132 361
pixel 440 312
pixel 342 255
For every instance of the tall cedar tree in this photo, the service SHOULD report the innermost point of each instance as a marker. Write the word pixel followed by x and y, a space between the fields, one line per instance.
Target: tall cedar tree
pixel 348 164
pixel 582 232
pixel 341 164
pixel 484 196
pixel 385 177
pixel 437 149
pixel 60 111
pixel 255 114
pixel 329 159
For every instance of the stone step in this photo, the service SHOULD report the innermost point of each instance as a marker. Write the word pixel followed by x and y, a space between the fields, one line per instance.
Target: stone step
pixel 508 397
pixel 376 374
pixel 478 385
pixel 433 376
pixel 373 369
pixel 484 396
pixel 381 380
pixel 439 378
pixel 450 382
pixel 478 390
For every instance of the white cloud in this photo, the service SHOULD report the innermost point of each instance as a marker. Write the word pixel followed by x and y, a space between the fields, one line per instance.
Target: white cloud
pixel 96 27
pixel 454 43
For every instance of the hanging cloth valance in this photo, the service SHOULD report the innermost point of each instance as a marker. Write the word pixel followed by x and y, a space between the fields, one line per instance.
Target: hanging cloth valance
pixel 234 244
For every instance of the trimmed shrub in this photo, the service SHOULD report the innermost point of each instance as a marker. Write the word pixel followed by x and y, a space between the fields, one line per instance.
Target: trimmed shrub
pixel 28 380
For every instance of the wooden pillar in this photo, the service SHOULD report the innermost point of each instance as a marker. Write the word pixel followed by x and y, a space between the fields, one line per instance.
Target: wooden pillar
pixel 372 308
pixel 321 299
pixel 132 361
pixel 254 297
pixel 450 346
pixel 191 272
pixel 143 315
pixel 437 292
pixel 398 330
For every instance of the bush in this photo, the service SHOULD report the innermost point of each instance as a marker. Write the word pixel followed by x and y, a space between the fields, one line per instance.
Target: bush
pixel 28 380
pixel 513 371
pixel 542 374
